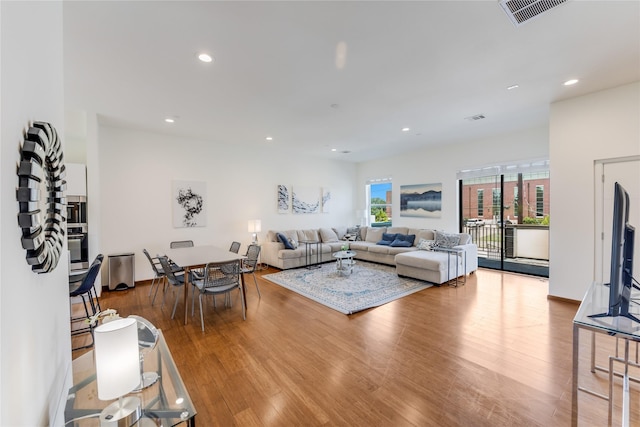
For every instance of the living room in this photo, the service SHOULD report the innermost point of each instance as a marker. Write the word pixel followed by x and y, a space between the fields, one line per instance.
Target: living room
pixel 130 174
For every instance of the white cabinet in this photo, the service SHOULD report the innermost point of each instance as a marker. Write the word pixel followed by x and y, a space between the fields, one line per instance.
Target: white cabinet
pixel 76 179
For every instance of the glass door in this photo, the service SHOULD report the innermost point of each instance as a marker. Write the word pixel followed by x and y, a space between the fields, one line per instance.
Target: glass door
pixel 507 216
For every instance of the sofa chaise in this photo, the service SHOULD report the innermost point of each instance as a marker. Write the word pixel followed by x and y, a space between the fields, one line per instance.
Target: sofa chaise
pixel 416 253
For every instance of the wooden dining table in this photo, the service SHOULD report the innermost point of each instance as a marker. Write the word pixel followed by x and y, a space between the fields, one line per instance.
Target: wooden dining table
pixel 198 257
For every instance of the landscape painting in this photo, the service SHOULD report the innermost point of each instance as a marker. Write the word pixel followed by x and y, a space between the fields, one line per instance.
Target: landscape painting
pixel 188 204
pixel 421 200
pixel 305 200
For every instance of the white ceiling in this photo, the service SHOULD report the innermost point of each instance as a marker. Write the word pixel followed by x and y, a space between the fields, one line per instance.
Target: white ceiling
pixel 424 65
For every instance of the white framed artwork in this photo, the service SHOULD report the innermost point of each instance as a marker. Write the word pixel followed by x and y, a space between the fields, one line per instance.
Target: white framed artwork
pixel 284 199
pixel 188 202
pixel 305 200
pixel 326 200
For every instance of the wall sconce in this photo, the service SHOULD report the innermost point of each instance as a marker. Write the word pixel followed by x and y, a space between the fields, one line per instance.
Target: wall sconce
pixel 118 371
pixel 254 226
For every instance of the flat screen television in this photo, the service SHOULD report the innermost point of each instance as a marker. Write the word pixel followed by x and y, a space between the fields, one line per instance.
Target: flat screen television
pixel 622 242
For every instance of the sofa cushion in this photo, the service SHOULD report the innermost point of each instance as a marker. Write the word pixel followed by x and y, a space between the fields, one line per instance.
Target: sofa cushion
pixel 340 232
pixel 424 260
pixel 285 241
pixel 425 234
pixel 379 249
pixel 446 240
pixel 308 235
pixel 327 235
pixel 374 234
pixel 398 230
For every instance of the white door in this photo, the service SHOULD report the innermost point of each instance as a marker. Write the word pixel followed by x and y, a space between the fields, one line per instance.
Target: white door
pixel 625 171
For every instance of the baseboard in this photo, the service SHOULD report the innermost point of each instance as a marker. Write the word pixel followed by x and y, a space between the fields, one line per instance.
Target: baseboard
pixel 561 299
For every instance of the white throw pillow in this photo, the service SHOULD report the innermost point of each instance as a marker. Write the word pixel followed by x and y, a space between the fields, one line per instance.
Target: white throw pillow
pixel 425 245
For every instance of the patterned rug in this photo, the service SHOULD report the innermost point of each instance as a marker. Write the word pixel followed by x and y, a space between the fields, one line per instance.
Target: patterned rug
pixel 370 285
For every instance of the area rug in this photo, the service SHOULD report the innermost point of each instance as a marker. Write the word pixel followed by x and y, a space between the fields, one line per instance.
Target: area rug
pixel 370 285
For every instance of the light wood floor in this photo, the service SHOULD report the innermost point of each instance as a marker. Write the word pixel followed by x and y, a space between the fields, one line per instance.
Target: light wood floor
pixel 494 352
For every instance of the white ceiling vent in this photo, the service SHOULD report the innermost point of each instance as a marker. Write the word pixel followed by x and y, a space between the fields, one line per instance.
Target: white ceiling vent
pixel 474 118
pixel 521 11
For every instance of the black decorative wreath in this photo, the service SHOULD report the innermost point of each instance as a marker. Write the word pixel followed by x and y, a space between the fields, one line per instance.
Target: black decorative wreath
pixel 41 164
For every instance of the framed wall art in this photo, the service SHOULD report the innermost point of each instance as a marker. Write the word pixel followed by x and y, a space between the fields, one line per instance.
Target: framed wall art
pixel 305 200
pixel 421 200
pixel 188 203
pixel 284 199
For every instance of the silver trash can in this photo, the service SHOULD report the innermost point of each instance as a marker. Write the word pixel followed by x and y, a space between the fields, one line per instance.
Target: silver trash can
pixel 121 271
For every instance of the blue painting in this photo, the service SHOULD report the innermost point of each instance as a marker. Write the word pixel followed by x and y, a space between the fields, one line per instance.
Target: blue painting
pixel 421 200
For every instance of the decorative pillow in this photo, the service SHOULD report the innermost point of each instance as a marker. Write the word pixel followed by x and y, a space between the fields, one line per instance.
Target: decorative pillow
pixel 406 238
pixel 350 237
pixel 425 245
pixel 384 242
pixel 445 240
pixel 285 241
pixel 293 243
pixel 401 243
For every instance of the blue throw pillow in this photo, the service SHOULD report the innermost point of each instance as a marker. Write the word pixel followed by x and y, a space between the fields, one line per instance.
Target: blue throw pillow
pixel 384 242
pixel 410 238
pixel 285 241
pixel 400 243
pixel 390 237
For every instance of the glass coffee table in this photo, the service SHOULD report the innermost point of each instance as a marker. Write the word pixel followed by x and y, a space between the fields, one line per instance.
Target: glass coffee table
pixel 344 262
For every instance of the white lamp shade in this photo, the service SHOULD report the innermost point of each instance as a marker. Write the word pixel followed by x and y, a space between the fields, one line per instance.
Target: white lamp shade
pixel 254 226
pixel 117 358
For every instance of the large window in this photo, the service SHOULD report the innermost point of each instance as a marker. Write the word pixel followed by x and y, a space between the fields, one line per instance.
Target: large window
pixel 480 202
pixel 380 212
pixel 539 200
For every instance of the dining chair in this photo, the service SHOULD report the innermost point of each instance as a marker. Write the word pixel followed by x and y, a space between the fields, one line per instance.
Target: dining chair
pixel 181 244
pixel 219 278
pixel 235 247
pixel 91 303
pixel 158 272
pixel 175 279
pixel 250 263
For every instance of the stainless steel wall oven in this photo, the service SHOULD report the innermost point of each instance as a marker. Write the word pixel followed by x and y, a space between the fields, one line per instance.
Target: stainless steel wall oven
pixel 78 245
pixel 76 210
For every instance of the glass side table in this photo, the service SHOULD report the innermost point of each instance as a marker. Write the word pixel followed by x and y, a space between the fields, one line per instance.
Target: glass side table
pixel 308 253
pixel 165 403
pixel 460 256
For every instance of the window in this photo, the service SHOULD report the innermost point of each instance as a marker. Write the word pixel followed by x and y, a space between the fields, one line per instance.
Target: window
pixel 495 207
pixel 380 202
pixel 539 201
pixel 480 202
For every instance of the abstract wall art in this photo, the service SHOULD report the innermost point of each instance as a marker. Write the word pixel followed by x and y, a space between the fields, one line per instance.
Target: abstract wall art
pixel 326 200
pixel 189 204
pixel 305 200
pixel 284 199
pixel 421 200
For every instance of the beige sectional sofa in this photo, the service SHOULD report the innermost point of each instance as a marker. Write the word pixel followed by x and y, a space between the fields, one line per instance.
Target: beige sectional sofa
pixel 429 265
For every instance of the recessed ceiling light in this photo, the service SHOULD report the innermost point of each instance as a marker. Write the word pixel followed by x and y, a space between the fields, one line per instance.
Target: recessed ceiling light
pixel 205 57
pixel 170 120
pixel 269 138
pixel 571 82
pixel 334 149
pixel 512 87
pixel 405 129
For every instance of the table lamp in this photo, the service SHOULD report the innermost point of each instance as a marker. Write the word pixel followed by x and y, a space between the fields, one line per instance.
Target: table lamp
pixel 255 226
pixel 118 371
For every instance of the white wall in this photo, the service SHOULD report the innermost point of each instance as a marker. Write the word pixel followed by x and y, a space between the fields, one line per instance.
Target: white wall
pixel 135 174
pixel 598 126
pixel 439 164
pixel 35 345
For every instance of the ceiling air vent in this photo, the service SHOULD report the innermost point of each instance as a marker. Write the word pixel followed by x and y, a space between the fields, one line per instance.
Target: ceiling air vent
pixel 521 11
pixel 474 118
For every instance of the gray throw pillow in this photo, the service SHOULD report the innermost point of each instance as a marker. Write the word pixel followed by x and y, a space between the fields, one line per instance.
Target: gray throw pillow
pixel 445 240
